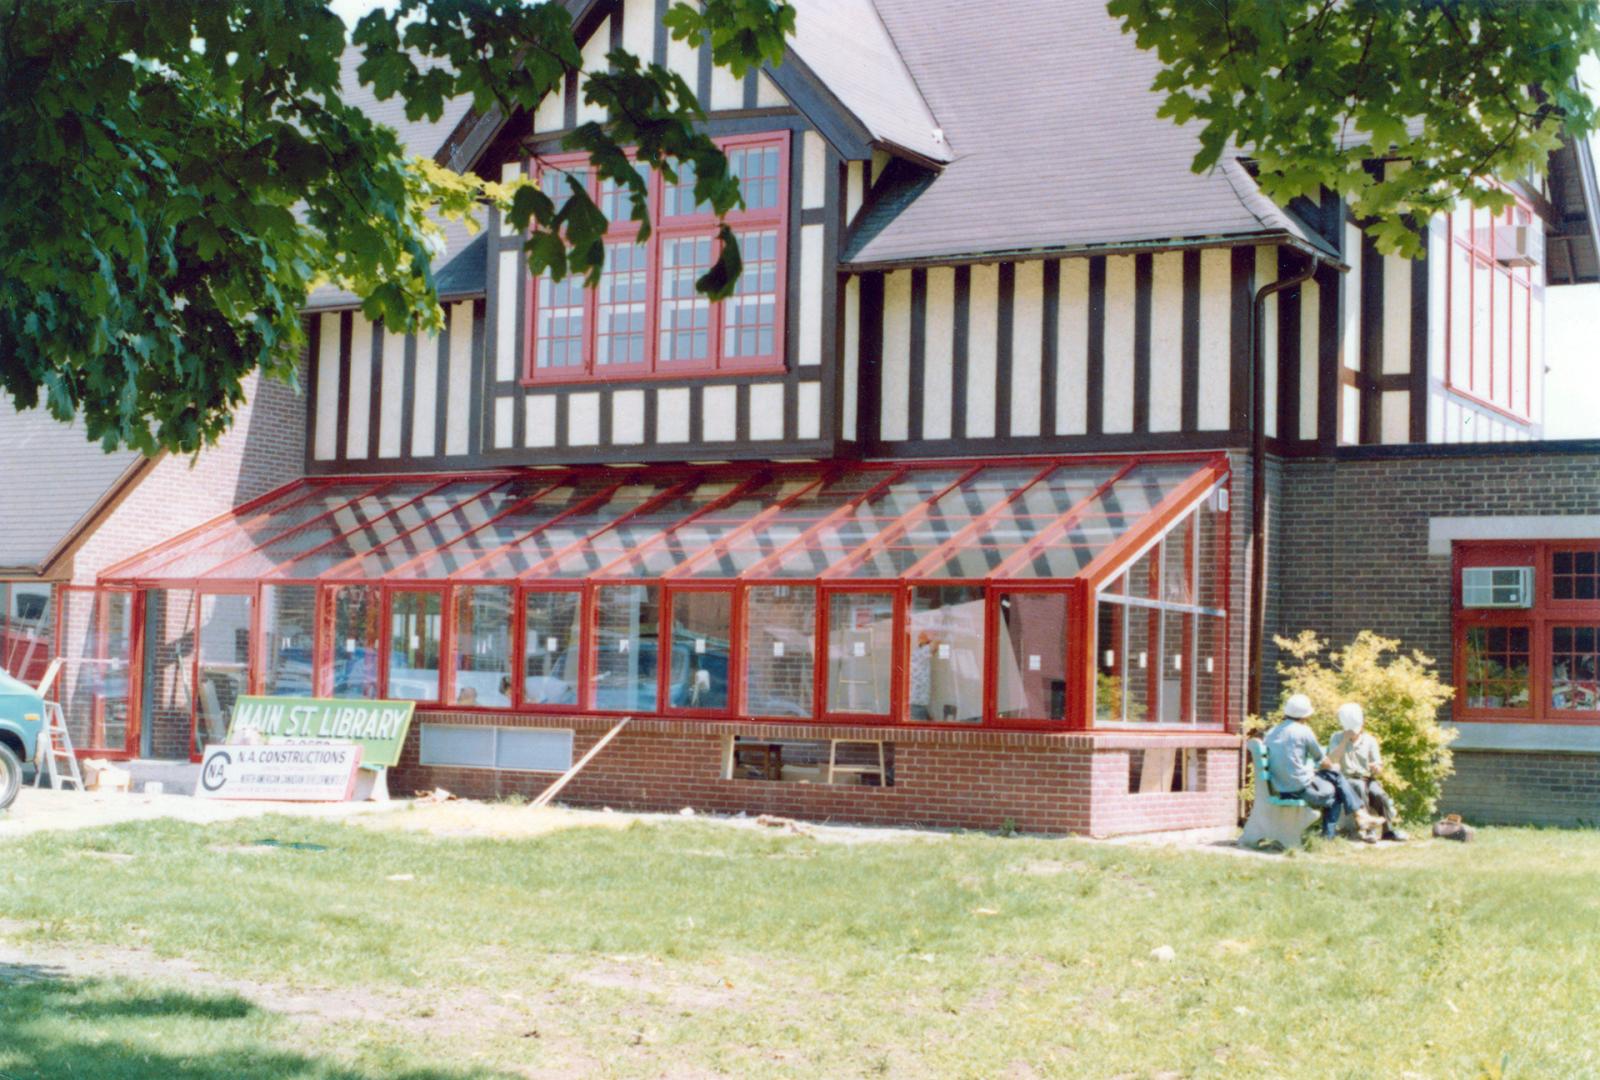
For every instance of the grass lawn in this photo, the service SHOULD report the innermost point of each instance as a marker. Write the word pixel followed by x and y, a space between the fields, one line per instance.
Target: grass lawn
pixel 687 948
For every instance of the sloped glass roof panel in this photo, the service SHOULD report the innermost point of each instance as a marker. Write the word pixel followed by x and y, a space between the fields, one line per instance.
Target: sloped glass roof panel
pixel 556 534
pixel 617 543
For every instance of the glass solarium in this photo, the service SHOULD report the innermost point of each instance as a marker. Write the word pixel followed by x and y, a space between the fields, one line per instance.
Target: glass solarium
pixel 965 592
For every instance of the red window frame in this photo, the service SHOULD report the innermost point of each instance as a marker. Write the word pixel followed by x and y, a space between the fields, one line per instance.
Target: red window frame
pixel 1546 615
pixel 666 228
pixel 386 642
pixel 1498 370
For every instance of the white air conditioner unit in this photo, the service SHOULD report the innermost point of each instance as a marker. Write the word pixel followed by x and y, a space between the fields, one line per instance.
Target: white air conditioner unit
pixel 1519 245
pixel 1497 587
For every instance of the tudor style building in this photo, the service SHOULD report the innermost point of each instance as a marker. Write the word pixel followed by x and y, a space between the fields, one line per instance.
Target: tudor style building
pixel 974 503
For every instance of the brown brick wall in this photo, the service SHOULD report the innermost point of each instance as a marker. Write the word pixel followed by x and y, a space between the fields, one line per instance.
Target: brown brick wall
pixel 1046 783
pixel 1523 788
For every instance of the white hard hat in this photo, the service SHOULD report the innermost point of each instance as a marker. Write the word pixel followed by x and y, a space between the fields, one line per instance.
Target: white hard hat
pixel 1351 717
pixel 1298 707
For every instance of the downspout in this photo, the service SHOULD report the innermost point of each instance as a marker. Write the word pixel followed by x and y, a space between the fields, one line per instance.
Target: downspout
pixel 1258 481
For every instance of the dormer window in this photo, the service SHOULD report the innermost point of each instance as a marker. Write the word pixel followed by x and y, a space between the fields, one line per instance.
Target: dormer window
pixel 645 318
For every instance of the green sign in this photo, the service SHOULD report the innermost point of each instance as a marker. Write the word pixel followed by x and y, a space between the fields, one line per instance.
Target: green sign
pixel 379 726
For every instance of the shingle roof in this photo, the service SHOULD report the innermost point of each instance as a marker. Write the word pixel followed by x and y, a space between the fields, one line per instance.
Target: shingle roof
pixel 1047 108
pixel 51 477
pixel 420 137
pixel 846 44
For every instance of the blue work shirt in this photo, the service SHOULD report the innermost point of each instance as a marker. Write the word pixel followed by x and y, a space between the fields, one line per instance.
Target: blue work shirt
pixel 1293 754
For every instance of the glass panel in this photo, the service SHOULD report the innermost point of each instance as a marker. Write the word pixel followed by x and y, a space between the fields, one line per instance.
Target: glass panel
pixel 941 521
pixel 668 549
pixel 1176 547
pixel 1104 518
pixel 1575 575
pixel 558 323
pixel 677 196
pixel 767 538
pixel 1176 660
pixel 750 315
pixel 483 646
pixel 616 200
pixel 627 624
pixel 288 626
pixel 27 626
pixel 757 169
pixel 611 544
pixel 685 314
pixel 946 649
pixel 548 540
pixel 1497 667
pixel 702 637
pixel 224 664
pixel 461 519
pixel 1032 657
pixel 1210 636
pixel 415 622
pixel 93 687
pixel 357 629
pixel 1211 555
pixel 1142 664
pixel 405 517
pixel 860 652
pixel 367 520
pixel 168 713
pixel 1036 510
pixel 224 541
pixel 622 305
pixel 781 645
pixel 841 538
pixel 1111 654
pixel 1575 668
pixel 1460 326
pixel 552 624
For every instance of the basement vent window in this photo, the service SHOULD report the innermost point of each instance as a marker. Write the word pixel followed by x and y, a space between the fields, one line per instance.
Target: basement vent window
pixel 474 746
pixel 1163 771
pixel 840 762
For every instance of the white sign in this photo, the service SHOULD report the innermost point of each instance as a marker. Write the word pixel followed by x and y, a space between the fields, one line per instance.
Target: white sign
pixel 1033 662
pixel 286 772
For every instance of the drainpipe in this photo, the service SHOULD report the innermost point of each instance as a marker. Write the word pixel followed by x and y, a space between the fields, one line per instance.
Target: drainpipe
pixel 1258 481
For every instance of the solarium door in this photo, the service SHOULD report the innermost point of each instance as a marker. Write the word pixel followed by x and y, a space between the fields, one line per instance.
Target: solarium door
pixel 222 664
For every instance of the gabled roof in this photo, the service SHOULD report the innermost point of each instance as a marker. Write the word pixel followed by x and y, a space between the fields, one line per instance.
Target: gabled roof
pixel 1057 145
pixel 848 47
pixel 54 481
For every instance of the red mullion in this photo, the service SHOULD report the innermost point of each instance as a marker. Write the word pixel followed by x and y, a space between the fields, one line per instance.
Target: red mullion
pixel 235 514
pixel 1058 528
pixel 1226 595
pixel 377 489
pixel 898 527
pixel 762 219
pixel 1153 523
pixel 562 478
pixel 314 489
pixel 722 546
pixel 332 573
pixel 666 495
pixel 737 492
pixel 278 573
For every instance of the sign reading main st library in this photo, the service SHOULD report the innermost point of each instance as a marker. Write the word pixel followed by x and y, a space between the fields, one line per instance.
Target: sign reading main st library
pixel 379 727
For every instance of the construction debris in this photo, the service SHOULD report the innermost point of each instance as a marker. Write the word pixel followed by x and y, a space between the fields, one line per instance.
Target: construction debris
pixel 437 795
pixel 772 821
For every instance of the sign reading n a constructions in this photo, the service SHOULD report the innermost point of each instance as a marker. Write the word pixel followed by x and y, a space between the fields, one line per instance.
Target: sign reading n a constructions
pixel 378 727
pixel 304 772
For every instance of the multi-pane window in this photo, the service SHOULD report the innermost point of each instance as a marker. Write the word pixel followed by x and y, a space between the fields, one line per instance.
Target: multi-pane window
pixel 1489 283
pixel 646 316
pixel 1537 659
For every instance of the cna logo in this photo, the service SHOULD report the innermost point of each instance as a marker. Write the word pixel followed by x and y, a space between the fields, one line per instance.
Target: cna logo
pixel 215 773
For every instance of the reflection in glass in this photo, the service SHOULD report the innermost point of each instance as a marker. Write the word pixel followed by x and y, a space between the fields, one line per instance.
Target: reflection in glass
pixel 860 652
pixel 946 654
pixel 1032 656
pixel 415 619
pixel 482 646
pixel 697 668
pixel 550 648
pixel 288 623
pixel 224 663
pixel 628 622
pixel 780 648
pixel 357 612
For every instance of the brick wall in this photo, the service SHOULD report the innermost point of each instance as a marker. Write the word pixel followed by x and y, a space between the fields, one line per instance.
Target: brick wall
pixel 1525 788
pixel 1351 542
pixel 1351 553
pixel 1038 782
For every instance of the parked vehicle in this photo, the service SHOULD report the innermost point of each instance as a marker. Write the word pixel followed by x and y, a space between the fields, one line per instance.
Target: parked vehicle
pixel 21 717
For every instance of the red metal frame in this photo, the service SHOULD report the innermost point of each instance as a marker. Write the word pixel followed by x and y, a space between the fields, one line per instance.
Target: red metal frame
pixel 100 595
pixel 1546 614
pixel 663 228
pixel 1510 279
pixel 1207 470
pixel 386 631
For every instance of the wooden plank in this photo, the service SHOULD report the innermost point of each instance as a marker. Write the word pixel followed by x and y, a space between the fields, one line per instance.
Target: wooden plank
pixel 555 789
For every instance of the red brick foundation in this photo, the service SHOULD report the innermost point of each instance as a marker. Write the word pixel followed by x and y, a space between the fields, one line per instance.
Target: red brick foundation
pixel 1035 782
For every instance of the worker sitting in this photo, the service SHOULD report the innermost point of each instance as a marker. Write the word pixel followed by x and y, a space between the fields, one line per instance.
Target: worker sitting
pixel 1300 769
pixel 1354 752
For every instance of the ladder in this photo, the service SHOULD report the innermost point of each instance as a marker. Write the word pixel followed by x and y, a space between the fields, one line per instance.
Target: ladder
pixel 879 770
pixel 55 747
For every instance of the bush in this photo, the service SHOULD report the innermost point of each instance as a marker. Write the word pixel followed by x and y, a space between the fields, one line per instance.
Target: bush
pixel 1401 694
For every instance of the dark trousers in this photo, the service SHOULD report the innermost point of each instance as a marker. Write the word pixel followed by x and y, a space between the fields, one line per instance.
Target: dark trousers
pixel 1373 797
pixel 1331 793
